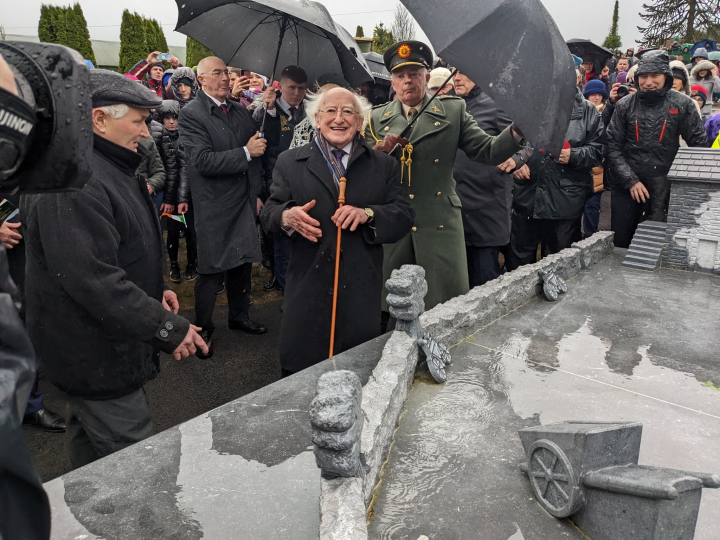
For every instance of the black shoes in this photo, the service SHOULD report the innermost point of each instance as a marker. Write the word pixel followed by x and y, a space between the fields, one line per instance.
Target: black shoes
pixel 175 275
pixel 208 341
pixel 190 273
pixel 247 326
pixel 46 420
pixel 270 283
pixel 221 289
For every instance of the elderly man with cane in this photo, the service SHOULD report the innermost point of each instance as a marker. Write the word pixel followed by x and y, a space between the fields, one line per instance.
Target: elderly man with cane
pixel 304 204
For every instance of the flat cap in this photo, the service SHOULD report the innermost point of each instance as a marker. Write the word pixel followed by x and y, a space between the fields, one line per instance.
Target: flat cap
pixel 408 53
pixel 110 88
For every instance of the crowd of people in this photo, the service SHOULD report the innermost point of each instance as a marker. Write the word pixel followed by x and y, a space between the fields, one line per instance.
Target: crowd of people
pixel 244 170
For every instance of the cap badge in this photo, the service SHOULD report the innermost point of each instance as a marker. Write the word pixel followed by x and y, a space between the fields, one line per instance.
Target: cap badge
pixel 404 51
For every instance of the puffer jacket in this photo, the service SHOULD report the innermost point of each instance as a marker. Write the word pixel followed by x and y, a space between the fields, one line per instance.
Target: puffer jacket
pixel 645 129
pixel 151 167
pixel 710 83
pixel 177 189
pixel 557 191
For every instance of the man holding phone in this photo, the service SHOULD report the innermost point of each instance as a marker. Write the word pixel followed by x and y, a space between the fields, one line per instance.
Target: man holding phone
pixel 153 68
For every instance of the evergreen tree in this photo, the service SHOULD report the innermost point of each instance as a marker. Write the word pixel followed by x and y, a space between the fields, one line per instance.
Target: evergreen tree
pixel 359 32
pixel 195 51
pixel 46 29
pixel 692 19
pixel 132 41
pixel 162 42
pixel 78 36
pixel 59 22
pixel 152 41
pixel 612 41
pixel 382 39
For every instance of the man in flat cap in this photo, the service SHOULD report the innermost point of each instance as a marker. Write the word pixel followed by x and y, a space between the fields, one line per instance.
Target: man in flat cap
pixel 427 156
pixel 98 311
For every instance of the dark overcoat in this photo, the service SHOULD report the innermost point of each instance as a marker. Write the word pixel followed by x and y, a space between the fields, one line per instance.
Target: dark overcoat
pixel 373 180
pixel 220 178
pixel 95 281
pixel 485 192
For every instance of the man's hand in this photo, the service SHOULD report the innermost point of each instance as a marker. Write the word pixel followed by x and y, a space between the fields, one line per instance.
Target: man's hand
pixel 152 57
pixel 349 216
pixel 639 193
pixel 166 208
pixel 258 206
pixel 170 301
pixel 523 173
pixel 150 189
pixel 613 92
pixel 241 84
pixel 507 166
pixel 269 97
pixel 298 219
pixel 564 156
pixel 256 146
pixel 191 344
pixel 9 235
pixel 389 142
pixel 174 62
pixel 183 208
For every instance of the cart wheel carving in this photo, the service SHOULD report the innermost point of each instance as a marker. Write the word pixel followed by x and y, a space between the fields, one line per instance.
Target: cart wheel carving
pixel 553 480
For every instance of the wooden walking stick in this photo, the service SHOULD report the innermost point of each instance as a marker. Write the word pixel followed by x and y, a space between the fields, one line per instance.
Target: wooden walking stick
pixel 341 203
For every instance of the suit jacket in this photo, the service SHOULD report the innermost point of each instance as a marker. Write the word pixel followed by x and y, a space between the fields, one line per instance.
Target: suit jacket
pixel 373 180
pixel 223 183
pixel 437 242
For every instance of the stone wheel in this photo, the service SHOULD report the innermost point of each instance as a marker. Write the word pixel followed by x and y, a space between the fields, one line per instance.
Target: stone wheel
pixel 553 480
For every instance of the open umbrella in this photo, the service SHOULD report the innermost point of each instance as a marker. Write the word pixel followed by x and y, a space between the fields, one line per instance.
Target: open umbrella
pixel 377 66
pixel 514 51
pixel 263 35
pixel 586 49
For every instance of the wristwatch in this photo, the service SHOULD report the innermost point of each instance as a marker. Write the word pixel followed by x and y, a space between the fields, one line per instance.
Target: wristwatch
pixel 370 215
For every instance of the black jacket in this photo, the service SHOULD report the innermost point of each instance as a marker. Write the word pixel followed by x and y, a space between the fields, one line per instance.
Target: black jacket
pixel 557 191
pixel 644 137
pixel 373 180
pixel 485 192
pixel 95 281
pixel 177 189
pixel 223 182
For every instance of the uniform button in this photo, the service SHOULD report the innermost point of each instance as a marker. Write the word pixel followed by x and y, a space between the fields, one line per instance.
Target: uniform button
pixel 437 124
pixel 414 229
pixel 440 227
pixel 411 196
pixel 163 333
pixel 437 161
pixel 169 325
pixel 387 128
pixel 438 193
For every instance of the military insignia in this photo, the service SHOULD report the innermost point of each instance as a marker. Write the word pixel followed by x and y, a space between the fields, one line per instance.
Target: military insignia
pixel 404 51
pixel 435 109
pixel 389 113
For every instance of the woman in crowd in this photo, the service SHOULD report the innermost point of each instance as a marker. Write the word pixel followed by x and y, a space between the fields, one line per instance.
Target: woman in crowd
pixel 704 74
pixel 184 85
pixel 681 77
pixel 596 93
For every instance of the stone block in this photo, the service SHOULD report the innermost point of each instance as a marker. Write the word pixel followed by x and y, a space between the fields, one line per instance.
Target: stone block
pixel 342 510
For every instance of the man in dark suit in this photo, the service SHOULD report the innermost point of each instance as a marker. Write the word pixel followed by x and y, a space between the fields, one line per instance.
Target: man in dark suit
pixel 222 157
pixel 303 205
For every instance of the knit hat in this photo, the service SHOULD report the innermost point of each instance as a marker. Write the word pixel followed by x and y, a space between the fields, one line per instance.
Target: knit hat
pixel 595 86
pixel 110 88
pixel 438 76
pixel 680 72
pixel 700 52
pixel 186 80
pixel 699 90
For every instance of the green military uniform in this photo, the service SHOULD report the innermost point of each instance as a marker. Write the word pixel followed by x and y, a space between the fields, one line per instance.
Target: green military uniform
pixel 437 241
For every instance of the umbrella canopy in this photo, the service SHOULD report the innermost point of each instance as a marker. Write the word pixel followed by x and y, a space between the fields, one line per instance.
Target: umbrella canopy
pixel 247 33
pixel 377 66
pixel 514 51
pixel 587 50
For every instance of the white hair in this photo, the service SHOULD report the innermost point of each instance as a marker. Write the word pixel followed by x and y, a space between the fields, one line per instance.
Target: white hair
pixel 116 111
pixel 312 105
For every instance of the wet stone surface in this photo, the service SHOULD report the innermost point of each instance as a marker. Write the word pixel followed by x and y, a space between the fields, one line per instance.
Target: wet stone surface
pixel 621 345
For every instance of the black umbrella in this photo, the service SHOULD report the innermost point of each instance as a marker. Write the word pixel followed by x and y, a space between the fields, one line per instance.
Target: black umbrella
pixel 514 51
pixel 377 66
pixel 587 50
pixel 263 35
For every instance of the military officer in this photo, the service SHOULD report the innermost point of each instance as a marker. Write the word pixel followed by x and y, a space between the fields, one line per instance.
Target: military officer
pixel 437 242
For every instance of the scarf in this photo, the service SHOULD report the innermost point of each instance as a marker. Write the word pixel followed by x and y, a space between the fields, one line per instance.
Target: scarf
pixel 332 163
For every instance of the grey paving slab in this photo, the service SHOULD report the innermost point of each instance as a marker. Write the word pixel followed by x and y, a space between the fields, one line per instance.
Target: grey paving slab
pixel 622 345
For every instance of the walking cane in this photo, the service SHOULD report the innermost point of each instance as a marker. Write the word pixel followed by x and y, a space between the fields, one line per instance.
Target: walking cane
pixel 341 203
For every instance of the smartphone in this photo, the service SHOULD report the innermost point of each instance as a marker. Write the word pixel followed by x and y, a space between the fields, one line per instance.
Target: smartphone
pixel 164 57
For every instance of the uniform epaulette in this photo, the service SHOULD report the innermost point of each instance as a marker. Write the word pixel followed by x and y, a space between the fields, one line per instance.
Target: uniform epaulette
pixel 449 97
pixel 381 105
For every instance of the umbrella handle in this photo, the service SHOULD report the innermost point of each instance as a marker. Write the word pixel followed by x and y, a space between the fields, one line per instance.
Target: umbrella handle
pixel 341 203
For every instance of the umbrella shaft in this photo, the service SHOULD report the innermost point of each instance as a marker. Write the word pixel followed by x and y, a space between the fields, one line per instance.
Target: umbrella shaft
pixel 284 26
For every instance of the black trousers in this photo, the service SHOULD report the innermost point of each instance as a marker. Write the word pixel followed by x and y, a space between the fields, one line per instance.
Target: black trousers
pixel 173 238
pixel 626 214
pixel 483 264
pixel 527 232
pixel 237 282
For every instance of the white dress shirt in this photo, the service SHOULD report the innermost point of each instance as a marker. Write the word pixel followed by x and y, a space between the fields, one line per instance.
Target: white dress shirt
pixel 224 102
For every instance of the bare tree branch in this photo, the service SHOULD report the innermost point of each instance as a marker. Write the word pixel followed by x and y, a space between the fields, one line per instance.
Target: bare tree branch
pixel 403 27
pixel 688 19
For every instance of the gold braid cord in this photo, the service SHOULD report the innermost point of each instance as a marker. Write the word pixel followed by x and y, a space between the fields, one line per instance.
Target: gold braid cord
pixel 406 161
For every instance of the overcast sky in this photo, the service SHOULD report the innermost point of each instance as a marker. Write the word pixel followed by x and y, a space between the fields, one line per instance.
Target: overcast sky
pixel 587 19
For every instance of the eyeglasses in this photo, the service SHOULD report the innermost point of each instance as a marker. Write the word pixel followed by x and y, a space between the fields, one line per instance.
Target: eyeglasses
pixel 332 112
pixel 217 73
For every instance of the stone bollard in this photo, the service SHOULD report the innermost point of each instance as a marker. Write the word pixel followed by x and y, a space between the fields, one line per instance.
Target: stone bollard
pixel 337 421
pixel 406 298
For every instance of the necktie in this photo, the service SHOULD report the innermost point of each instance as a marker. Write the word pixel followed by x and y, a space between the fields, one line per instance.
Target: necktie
pixel 292 113
pixel 339 154
pixel 224 108
pixel 411 113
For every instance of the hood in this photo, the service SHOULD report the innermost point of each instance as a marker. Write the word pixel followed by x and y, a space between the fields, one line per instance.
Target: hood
pixel 700 52
pixel 168 106
pixel 680 71
pixel 703 64
pixel 655 62
pixel 180 73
